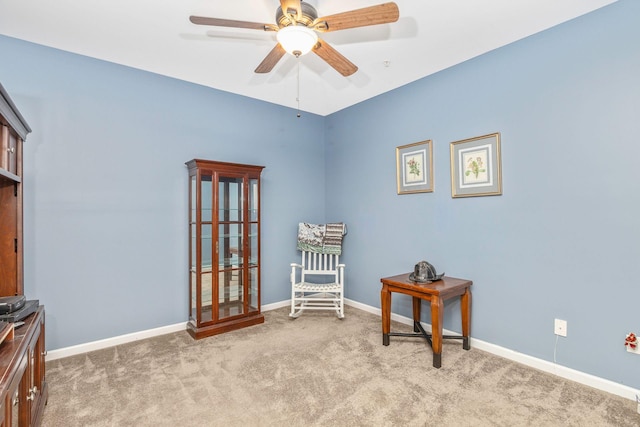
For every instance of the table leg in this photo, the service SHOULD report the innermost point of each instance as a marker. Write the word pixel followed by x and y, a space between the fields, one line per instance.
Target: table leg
pixel 385 305
pixel 417 305
pixel 437 309
pixel 465 309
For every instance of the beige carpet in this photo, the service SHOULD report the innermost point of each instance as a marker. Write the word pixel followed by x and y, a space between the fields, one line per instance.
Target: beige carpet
pixel 314 371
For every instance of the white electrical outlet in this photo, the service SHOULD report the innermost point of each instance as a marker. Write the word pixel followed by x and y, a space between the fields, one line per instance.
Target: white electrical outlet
pixel 560 327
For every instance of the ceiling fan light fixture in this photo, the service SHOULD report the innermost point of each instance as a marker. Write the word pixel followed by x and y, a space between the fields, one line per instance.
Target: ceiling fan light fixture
pixel 297 39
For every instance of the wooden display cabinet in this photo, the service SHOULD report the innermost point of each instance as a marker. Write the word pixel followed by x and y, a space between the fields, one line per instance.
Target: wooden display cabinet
pixel 23 388
pixel 13 131
pixel 224 250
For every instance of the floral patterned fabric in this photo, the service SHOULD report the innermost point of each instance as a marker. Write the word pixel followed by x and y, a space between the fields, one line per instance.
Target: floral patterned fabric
pixel 321 238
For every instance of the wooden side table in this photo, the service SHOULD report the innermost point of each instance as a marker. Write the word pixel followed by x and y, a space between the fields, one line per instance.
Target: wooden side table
pixel 436 293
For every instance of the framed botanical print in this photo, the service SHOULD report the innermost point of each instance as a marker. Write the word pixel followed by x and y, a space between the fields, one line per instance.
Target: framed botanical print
pixel 414 168
pixel 476 167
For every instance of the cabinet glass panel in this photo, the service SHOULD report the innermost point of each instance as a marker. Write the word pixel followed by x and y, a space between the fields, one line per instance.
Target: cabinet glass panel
pixel 206 198
pixel 206 243
pixel 207 296
pixel 230 245
pixel 194 241
pixel 253 200
pixel 193 199
pixel 230 199
pixel 253 289
pixel 230 293
pixel 253 245
pixel 194 290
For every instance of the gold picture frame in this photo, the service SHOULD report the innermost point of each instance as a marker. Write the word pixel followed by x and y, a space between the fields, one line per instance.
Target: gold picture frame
pixel 414 168
pixel 476 167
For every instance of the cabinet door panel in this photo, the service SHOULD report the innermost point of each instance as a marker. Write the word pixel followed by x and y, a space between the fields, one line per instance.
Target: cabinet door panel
pixel 230 293
pixel 34 374
pixel 8 236
pixel 12 153
pixel 206 200
pixel 15 399
pixel 230 247
pixel 4 146
pixel 207 297
pixel 230 199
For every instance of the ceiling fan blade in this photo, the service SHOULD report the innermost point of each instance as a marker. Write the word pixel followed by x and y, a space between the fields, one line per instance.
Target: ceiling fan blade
pixel 292 7
pixel 373 15
pixel 334 58
pixel 217 22
pixel 271 59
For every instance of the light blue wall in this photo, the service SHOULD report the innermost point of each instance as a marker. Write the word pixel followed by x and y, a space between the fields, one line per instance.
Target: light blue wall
pixel 563 239
pixel 105 207
pixel 106 189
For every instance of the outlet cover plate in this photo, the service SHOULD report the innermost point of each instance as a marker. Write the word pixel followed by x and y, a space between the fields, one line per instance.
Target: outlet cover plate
pixel 560 327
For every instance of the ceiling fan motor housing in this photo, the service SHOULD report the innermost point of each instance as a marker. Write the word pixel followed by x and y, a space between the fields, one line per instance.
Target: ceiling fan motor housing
pixel 309 14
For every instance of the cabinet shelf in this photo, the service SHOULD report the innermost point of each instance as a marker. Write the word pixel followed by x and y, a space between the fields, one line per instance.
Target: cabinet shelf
pixel 10 176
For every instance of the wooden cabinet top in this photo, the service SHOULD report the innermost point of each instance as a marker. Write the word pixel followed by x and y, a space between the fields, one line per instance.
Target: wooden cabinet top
pixel 9 115
pixel 221 166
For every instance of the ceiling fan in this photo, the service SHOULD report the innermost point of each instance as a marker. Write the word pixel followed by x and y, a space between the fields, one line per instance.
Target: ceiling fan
pixel 297 27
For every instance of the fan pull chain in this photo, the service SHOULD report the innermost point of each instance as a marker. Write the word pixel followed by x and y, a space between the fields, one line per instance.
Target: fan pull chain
pixel 298 95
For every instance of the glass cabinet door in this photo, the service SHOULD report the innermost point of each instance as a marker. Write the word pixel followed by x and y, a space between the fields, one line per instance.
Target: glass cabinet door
pixel 231 246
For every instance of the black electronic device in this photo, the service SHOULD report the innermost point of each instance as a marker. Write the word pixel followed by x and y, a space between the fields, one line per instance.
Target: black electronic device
pixel 12 303
pixel 30 307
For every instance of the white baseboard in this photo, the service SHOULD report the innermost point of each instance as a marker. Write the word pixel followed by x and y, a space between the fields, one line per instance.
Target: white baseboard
pixel 276 305
pixel 110 342
pixel 543 365
pixel 135 336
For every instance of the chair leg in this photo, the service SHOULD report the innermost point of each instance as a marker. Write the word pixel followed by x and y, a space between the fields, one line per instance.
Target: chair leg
pixel 302 301
pixel 293 306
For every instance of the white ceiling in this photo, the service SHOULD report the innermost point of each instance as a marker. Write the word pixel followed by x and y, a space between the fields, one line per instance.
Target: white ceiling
pixel 156 36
